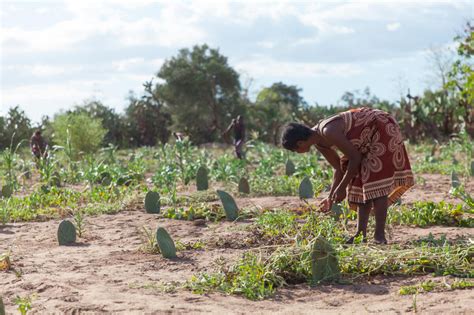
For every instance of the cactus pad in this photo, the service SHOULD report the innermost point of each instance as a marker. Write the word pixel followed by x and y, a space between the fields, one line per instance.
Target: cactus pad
pixel 152 202
pixel 306 189
pixel 289 168
pixel 66 233
pixel 455 180
pixel 202 182
pixel 337 210
pixel 324 265
pixel 230 207
pixel 165 243
pixel 244 187
pixel 7 191
pixel 105 178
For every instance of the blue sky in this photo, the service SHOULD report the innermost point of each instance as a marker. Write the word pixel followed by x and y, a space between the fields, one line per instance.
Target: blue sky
pixel 56 54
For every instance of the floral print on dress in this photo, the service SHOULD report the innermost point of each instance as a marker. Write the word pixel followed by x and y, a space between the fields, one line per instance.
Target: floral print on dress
pixel 395 145
pixel 366 115
pixel 372 149
pixel 385 168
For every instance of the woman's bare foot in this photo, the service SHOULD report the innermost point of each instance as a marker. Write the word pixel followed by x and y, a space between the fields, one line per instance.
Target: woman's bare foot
pixel 380 240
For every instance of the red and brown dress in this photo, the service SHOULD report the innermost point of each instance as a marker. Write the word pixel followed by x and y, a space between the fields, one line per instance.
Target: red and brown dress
pixel 385 168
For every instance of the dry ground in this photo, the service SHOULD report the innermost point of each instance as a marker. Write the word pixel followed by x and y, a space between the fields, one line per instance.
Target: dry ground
pixel 106 272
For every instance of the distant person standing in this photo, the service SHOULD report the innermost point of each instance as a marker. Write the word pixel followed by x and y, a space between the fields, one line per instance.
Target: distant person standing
pixel 38 145
pixel 239 135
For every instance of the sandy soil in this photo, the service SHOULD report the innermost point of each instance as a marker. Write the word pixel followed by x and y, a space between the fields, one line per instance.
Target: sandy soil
pixel 106 271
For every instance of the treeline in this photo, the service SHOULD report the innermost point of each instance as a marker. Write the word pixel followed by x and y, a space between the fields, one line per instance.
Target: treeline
pixel 197 93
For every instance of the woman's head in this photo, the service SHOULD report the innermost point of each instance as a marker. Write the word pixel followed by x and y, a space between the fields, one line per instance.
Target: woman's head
pixel 296 137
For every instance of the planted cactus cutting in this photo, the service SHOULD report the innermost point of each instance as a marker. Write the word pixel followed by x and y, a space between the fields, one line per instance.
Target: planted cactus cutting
pixel 230 207
pixel 306 189
pixel 202 182
pixel 152 202
pixel 165 243
pixel 66 233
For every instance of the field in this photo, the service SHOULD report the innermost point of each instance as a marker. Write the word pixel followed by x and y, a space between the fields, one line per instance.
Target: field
pixel 259 263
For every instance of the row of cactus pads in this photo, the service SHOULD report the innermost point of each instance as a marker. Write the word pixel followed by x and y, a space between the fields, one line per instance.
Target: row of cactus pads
pixel 67 230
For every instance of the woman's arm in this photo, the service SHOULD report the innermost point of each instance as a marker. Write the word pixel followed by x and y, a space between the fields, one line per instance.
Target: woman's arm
pixel 333 133
pixel 333 158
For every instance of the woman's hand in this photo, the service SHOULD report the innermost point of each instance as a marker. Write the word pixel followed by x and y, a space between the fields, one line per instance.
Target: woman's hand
pixel 339 194
pixel 326 204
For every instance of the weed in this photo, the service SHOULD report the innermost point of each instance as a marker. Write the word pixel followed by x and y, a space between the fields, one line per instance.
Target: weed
pixel 24 304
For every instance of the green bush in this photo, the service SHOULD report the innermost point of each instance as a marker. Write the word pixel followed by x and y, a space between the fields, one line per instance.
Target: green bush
pixel 79 131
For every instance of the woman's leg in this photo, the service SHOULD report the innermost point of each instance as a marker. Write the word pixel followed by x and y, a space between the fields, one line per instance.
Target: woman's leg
pixel 362 220
pixel 380 210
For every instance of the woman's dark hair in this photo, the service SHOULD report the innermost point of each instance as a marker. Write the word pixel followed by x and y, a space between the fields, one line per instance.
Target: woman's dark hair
pixel 292 133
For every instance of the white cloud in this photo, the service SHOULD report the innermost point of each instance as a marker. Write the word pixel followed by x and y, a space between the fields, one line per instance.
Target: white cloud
pixel 125 64
pixel 266 44
pixel 393 26
pixel 259 67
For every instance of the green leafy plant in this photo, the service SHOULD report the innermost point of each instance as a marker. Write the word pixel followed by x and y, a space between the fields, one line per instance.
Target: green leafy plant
pixel 23 304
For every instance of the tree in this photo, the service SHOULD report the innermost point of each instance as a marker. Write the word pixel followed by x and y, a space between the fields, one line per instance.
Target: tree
pixel 111 121
pixel 146 120
pixel 16 126
pixel 461 77
pixel 275 106
pixel 84 133
pixel 201 92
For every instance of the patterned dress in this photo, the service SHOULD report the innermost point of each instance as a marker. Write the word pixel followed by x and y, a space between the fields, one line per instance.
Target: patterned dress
pixel 385 168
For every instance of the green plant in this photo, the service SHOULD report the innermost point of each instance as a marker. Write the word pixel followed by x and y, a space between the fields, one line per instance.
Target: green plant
pixel 150 246
pixel 324 265
pixel 79 220
pixel 189 245
pixel 289 168
pixel 2 307
pixel 165 243
pixel 66 233
pixel 306 189
pixel 230 207
pixel 24 304
pixel 201 179
pixel 249 277
pixel 78 132
pixel 152 202
pixel 432 285
pixel 430 213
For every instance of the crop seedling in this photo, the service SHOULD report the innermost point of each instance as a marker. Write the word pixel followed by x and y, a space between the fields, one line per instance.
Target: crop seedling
pixel 66 233
pixel 152 202
pixel 165 243
pixel 289 168
pixel 151 245
pixel 202 182
pixel 306 189
pixel 79 221
pixel 230 207
pixel 2 307
pixel 24 304
pixel 244 187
